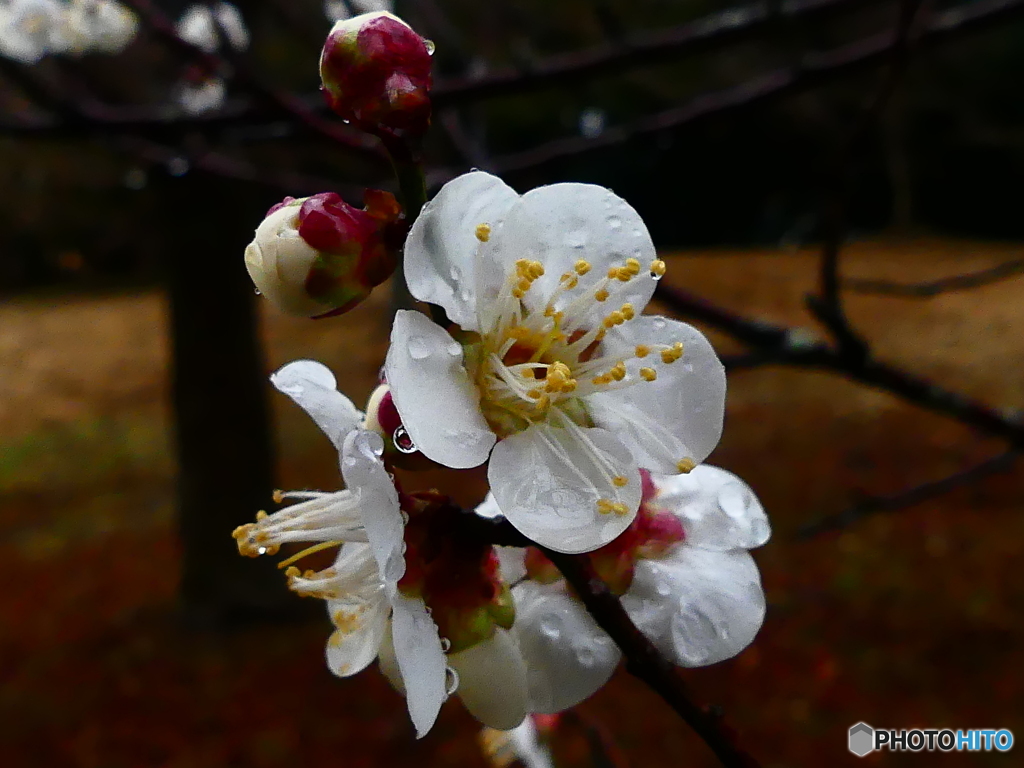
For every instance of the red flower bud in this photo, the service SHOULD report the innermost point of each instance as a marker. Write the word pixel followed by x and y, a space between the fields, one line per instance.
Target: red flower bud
pixel 319 255
pixel 376 73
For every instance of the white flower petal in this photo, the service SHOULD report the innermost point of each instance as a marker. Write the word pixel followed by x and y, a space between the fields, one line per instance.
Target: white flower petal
pixel 313 388
pixel 701 606
pixel 548 485
pixel 439 405
pixel 365 474
pixel 441 264
pixel 358 634
pixel 560 224
pixel 492 681
pixel 719 511
pixel 420 660
pixel 568 657
pixel 679 415
pixel 528 748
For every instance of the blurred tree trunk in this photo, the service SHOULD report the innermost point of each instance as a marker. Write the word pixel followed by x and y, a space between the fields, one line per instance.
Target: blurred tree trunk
pixel 219 387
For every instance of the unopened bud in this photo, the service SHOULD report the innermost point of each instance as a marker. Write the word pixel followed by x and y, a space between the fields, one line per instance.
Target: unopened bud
pixel 319 255
pixel 376 73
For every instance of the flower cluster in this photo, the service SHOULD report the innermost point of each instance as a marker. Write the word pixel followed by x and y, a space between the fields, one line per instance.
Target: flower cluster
pixel 32 29
pixel 592 421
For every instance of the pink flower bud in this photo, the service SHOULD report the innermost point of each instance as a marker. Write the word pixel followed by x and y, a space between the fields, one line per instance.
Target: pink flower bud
pixel 319 255
pixel 376 73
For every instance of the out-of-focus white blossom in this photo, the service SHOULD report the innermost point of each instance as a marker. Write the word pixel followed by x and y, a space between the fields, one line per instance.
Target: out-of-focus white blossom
pixel 337 10
pixel 197 26
pixel 196 98
pixel 30 29
pixel 100 26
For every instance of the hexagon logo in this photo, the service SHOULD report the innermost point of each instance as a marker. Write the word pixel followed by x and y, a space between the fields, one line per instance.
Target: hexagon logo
pixel 862 739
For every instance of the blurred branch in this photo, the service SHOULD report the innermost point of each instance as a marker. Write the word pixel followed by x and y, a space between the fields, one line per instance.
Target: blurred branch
pixel 910 497
pixel 932 288
pixel 712 31
pixel 645 662
pixel 827 305
pixel 815 70
pixel 773 343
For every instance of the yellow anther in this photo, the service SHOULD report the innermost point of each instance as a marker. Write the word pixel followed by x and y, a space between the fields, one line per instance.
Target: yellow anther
pixel 582 267
pixel 620 509
pixel 686 465
pixel 292 572
pixel 528 373
pixel 566 276
pixel 572 283
pixel 604 506
pixel 642 350
pixel 620 481
pixel 483 232
pixel 535 394
pixel 536 270
pixel 524 284
pixel 604 378
pixel 648 374
pixel 614 318
pixel 633 266
pixel 278 497
pixel 346 621
pixel 242 531
pixel 613 272
pixel 678 349
pixel 623 274
pixel 542 403
pixel 627 311
pixel 521 265
pixel 516 293
pixel 601 294
pixel 262 515
pixel 658 267
pixel 601 333
pixel 618 371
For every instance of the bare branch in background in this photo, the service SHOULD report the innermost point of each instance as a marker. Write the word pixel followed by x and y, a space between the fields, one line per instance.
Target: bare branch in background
pixel 910 497
pixel 928 289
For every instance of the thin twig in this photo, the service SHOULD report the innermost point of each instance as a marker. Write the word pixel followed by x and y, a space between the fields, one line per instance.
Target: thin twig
pixel 910 497
pixel 927 290
pixel 645 662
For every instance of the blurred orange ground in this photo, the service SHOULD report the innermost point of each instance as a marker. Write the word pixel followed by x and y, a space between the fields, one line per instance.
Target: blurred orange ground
pixel 909 619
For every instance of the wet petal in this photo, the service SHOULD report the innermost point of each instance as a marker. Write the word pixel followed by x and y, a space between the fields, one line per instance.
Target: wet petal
pixel 492 681
pixel 568 657
pixel 679 415
pixel 420 660
pixel 441 262
pixel 365 475
pixel 719 511
pixel 359 630
pixel 439 405
pixel 548 481
pixel 313 388
pixel 560 224
pixel 699 607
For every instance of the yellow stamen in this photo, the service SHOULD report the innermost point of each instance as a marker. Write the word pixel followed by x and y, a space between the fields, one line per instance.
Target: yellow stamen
pixel 642 350
pixel 262 514
pixel 483 232
pixel 627 311
pixel 633 266
pixel 686 465
pixel 620 481
pixel 308 551
pixel 658 267
pixel 582 267
pixel 601 294
pixel 648 374
pixel 278 497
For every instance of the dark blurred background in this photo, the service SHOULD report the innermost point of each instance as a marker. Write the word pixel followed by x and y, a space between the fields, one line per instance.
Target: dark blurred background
pixel 137 428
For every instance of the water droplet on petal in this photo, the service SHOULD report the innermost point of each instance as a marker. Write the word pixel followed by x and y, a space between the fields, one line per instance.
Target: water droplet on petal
pixel 659 324
pixel 446 644
pixel 614 222
pixel 656 276
pixel 451 678
pixel 419 348
pixel 403 442
pixel 454 349
pixel 586 656
pixel 577 238
pixel 430 47
pixel 551 626
pixel 688 367
pixel 258 292
pixel 351 461
pixel 261 550
pixel 456 274
pixel 663 589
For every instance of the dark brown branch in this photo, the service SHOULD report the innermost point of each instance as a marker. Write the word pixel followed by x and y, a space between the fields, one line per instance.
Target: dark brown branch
pixel 709 32
pixel 815 70
pixel 774 343
pixel 931 288
pixel 910 497
pixel 645 662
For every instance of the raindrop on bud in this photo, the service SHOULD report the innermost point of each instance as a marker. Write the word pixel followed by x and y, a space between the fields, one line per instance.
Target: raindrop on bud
pixel 403 442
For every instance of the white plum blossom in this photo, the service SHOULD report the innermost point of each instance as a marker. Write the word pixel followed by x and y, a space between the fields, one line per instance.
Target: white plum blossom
pixel 199 26
pixel 361 587
pixel 30 29
pixel 700 601
pixel 337 10
pixel 202 96
pixel 100 26
pixel 553 374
